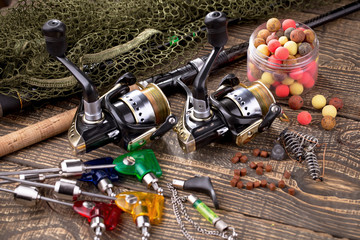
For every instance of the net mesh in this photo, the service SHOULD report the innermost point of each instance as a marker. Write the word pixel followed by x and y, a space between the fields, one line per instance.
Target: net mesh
pixel 108 38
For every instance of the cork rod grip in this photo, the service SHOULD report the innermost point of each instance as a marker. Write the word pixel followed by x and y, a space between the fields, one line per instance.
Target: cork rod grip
pixel 36 132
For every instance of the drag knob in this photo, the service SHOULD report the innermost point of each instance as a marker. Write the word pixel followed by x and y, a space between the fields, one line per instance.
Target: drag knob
pixel 54 33
pixel 216 25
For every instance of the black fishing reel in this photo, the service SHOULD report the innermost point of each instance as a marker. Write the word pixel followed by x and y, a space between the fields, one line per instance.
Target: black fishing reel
pixel 127 118
pixel 233 109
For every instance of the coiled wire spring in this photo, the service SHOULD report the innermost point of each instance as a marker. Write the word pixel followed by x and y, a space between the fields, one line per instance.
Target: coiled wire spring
pixel 302 147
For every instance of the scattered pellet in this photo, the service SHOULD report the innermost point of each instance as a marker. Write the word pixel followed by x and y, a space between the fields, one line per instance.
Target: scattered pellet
pixel 287 175
pixel 238 154
pixel 233 182
pixel 264 154
pixel 237 177
pixel 256 184
pixel 243 172
pixel 256 152
pixel 243 159
pixel 281 184
pixel 259 171
pixel 263 183
pixel 260 164
pixel 249 185
pixel 291 191
pixel 235 159
pixel 272 186
pixel 268 168
pixel 237 172
pixel 253 165
pixel 240 185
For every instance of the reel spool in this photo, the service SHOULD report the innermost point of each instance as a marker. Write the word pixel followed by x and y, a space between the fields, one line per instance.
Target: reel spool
pixel 148 105
pixel 255 99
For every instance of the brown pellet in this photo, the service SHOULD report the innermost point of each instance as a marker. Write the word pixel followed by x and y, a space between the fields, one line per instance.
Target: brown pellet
pixel 253 165
pixel 272 186
pixel 268 168
pixel 243 159
pixel 264 154
pixel 263 183
pixel 260 164
pixel 249 185
pixel 243 172
pixel 259 171
pixel 291 191
pixel 256 152
pixel 235 159
pixel 237 177
pixel 256 184
pixel 238 154
pixel 233 182
pixel 240 185
pixel 281 184
pixel 237 172
pixel 287 175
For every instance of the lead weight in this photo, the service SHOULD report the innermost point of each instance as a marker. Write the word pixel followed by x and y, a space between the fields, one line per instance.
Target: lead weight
pixel 67 190
pixel 28 196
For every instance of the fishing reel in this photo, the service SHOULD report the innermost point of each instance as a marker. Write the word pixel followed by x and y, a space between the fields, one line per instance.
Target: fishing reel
pixel 127 118
pixel 233 108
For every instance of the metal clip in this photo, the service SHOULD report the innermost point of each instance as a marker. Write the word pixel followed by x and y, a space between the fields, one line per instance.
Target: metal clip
pixel 248 134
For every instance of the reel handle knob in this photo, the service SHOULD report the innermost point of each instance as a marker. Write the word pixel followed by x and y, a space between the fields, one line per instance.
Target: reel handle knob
pixel 216 26
pixel 55 37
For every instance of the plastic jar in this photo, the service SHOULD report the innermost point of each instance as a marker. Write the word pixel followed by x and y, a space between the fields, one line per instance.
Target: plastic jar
pixel 284 78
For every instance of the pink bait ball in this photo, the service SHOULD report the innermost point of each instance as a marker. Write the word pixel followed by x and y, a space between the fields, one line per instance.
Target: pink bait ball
pixel 282 90
pixel 296 74
pixel 250 77
pixel 312 68
pixel 307 80
pixel 273 45
pixel 273 59
pixel 304 118
pixel 281 53
pixel 288 23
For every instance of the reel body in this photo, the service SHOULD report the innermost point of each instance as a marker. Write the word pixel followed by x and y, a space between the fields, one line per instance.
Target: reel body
pixel 240 112
pixel 128 118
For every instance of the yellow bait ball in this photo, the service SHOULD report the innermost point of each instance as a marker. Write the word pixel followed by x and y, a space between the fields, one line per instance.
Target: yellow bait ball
pixel 267 78
pixel 296 88
pixel 291 46
pixel 318 101
pixel 288 81
pixel 329 110
pixel 263 48
pixel 283 40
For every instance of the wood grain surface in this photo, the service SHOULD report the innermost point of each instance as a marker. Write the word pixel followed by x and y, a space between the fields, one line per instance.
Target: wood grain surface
pixel 319 210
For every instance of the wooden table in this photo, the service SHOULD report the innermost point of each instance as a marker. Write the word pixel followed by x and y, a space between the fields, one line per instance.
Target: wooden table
pixel 319 210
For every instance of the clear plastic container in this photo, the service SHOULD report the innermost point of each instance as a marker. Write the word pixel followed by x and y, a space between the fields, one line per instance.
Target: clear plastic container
pixel 296 76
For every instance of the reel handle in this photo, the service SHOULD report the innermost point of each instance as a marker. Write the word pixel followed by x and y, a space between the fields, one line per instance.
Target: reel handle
pixel 216 26
pixel 54 32
pixel 55 37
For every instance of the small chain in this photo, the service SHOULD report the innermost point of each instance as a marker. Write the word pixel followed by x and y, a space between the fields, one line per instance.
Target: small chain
pixel 178 202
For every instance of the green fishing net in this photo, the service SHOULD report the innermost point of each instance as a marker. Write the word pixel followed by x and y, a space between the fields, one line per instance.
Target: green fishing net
pixel 107 38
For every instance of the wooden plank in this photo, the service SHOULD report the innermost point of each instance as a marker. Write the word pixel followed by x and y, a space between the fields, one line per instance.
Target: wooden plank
pixel 317 211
